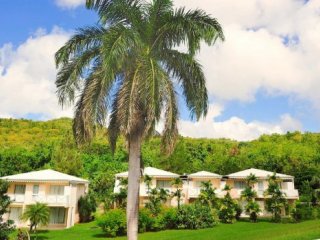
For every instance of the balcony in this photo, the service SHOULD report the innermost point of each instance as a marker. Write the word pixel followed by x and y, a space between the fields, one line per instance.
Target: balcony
pixel 17 198
pixel 60 200
pixel 51 199
pixel 291 193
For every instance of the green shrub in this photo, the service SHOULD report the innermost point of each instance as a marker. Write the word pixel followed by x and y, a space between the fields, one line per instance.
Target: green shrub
pixel 195 216
pixel 170 217
pixel 113 222
pixel 228 209
pixel 145 220
pixel 304 211
pixel 87 206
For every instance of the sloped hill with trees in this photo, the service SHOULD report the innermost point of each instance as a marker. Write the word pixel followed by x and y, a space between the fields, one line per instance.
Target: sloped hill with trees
pixel 27 145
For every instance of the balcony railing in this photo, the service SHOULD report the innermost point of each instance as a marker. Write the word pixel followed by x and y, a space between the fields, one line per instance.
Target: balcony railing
pixel 48 199
pixel 51 199
pixel 18 198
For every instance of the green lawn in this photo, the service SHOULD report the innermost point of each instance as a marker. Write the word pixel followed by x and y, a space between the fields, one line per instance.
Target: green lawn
pixel 241 230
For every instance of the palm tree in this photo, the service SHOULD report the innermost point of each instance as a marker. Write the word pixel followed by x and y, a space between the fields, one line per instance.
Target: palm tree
pixel 129 66
pixel 251 180
pixel 207 194
pixel 148 181
pixel 37 214
pixel 177 184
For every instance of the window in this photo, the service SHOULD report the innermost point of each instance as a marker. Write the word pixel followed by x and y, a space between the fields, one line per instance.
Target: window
pixel 35 190
pixel 163 184
pixel 15 214
pixel 260 186
pixel 20 189
pixel 57 215
pixel 56 190
pixel 239 184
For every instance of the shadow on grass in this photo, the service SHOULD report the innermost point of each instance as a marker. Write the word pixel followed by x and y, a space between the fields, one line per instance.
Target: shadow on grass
pixel 100 235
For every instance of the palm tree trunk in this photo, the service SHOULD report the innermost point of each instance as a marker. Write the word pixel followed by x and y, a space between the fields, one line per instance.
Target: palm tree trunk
pixel 133 186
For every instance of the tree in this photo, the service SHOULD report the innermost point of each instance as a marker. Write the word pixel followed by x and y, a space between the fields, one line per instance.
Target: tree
pixel 66 158
pixel 275 202
pixel 6 227
pixel 126 65
pixel 177 184
pixel 148 180
pixel 227 211
pixel 119 199
pixel 86 205
pixel 252 208
pixel 207 195
pixel 37 214
pixel 156 197
pixel 315 193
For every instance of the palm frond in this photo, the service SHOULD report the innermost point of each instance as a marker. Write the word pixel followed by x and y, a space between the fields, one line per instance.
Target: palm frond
pixel 115 11
pixel 189 27
pixel 84 39
pixel 92 106
pixel 70 74
pixel 189 73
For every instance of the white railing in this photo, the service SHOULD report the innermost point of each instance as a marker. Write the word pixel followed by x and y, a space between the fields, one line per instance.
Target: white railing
pixel 194 191
pixel 290 192
pixel 51 199
pixel 18 198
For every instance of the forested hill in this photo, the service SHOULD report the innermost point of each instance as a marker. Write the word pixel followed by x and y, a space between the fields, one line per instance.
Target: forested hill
pixel 28 145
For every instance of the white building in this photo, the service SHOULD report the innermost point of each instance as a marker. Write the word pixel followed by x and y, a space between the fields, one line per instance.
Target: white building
pixel 192 184
pixel 160 179
pixel 59 191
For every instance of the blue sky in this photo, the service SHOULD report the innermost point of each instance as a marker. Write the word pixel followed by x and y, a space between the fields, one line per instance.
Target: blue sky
pixel 263 79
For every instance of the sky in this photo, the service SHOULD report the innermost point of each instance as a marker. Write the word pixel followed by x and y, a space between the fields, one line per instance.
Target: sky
pixel 264 78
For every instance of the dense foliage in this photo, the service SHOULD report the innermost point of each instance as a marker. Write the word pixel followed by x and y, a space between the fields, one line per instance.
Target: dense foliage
pixel 192 216
pixel 27 145
pixel 6 227
pixel 87 206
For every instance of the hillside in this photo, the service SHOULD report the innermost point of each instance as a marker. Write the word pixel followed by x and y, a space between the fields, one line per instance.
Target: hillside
pixel 28 145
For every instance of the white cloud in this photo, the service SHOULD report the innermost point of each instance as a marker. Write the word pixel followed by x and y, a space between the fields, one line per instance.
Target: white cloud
pixel 235 128
pixel 28 75
pixel 69 4
pixel 271 45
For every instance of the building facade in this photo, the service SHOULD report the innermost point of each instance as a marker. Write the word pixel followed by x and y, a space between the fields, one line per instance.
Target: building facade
pixel 59 191
pixel 192 185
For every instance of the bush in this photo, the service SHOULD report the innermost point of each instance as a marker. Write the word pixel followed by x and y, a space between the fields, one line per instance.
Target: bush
pixel 304 211
pixel 195 217
pixel 165 219
pixel 113 222
pixel 87 205
pixel 170 217
pixel 145 220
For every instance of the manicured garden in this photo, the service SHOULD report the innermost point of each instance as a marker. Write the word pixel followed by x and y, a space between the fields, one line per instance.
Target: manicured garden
pixel 308 230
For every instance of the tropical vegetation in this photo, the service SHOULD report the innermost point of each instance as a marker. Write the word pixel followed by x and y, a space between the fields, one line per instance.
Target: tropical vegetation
pixel 37 214
pixel 6 227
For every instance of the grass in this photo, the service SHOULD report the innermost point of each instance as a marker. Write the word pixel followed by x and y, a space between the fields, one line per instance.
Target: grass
pixel 308 230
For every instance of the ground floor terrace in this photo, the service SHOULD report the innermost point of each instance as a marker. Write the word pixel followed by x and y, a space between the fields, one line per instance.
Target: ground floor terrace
pixel 59 218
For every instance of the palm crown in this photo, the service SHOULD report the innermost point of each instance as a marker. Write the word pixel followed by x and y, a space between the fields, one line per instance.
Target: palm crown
pixel 127 65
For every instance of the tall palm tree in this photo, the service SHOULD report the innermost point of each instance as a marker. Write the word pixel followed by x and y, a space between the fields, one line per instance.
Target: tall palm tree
pixel 129 66
pixel 37 214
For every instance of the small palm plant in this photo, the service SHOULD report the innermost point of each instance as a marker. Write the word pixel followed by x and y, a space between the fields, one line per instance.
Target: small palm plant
pixel 147 180
pixel 37 214
pixel 177 184
pixel 249 194
pixel 207 195
pixel 276 200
